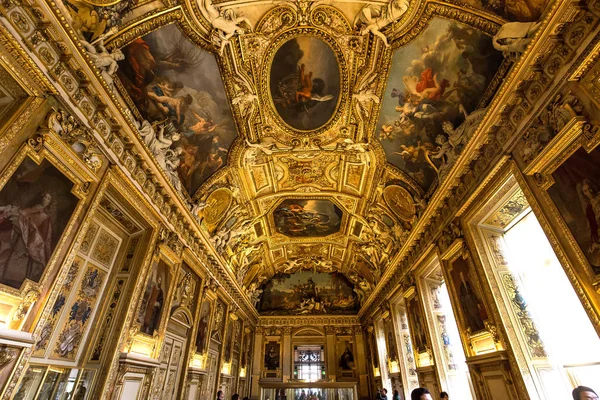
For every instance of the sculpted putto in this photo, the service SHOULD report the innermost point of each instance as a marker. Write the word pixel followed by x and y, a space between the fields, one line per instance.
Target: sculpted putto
pixel 104 60
pixel 373 18
pixel 513 38
pixel 226 22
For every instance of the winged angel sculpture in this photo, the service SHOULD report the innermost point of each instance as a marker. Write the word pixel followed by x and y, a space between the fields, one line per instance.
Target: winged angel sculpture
pixel 225 22
pixel 373 18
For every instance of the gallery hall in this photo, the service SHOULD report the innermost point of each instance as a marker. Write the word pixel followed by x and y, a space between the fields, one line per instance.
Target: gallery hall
pixel 299 199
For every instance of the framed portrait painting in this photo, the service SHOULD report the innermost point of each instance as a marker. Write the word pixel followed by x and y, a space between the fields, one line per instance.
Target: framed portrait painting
pixel 576 195
pixel 417 322
pixel 203 325
pixel 272 353
pixel 36 205
pixel 471 306
pixel 155 297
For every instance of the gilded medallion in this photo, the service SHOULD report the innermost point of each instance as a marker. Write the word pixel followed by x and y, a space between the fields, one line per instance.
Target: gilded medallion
pixel 400 201
pixel 217 204
pixel 305 83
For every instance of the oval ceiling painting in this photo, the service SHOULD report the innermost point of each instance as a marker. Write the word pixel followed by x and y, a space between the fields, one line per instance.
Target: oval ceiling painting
pixel 305 83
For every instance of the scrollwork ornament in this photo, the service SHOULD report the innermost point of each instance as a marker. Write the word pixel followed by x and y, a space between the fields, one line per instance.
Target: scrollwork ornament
pixel 23 308
pixel 493 330
pixel 36 142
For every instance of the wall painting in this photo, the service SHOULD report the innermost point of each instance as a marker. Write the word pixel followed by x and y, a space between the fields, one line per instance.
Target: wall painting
pixel 576 193
pixel 35 207
pixel 272 353
pixel 307 293
pixel 417 322
pixel 346 355
pixel 471 306
pixel 203 325
pixel 154 299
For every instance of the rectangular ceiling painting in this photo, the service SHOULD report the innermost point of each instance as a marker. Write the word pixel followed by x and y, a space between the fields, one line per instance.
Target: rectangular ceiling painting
pixel 433 96
pixel 177 86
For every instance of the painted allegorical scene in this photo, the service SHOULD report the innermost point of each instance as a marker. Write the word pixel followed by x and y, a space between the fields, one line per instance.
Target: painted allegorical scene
pixel 431 106
pixel 576 194
pixel 307 218
pixel 308 293
pixel 177 89
pixel 154 299
pixel 35 207
pixel 305 82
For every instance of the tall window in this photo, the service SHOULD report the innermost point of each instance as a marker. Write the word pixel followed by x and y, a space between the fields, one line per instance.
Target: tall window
pixel 449 353
pixel 309 363
pixel 542 291
pixel 555 344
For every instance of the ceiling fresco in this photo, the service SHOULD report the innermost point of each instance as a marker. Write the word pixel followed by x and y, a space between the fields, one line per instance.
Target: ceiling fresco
pixel 433 96
pixel 512 10
pixel 176 87
pixel 307 218
pixel 306 293
pixel 305 82
pixel 305 139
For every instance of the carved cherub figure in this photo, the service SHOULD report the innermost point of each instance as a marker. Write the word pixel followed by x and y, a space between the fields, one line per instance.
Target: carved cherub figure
pixel 225 22
pixel 105 61
pixel 373 18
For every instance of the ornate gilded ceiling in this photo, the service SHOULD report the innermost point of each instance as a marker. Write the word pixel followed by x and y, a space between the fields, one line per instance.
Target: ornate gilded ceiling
pixel 304 136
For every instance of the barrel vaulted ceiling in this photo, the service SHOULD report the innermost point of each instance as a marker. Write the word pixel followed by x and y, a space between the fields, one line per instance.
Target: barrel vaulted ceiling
pixel 303 136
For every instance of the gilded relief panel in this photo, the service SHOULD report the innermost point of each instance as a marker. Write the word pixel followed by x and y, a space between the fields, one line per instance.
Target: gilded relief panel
pixel 311 170
pixel 76 304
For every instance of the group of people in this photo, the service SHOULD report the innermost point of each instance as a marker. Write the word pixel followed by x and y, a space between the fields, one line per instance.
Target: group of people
pixel 579 393
pixel 309 395
pixel 221 396
pixel 382 395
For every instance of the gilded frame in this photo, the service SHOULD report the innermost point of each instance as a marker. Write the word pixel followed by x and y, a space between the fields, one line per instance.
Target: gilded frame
pixel 577 134
pixel 38 149
pixel 265 79
pixel 478 342
pixel 145 341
